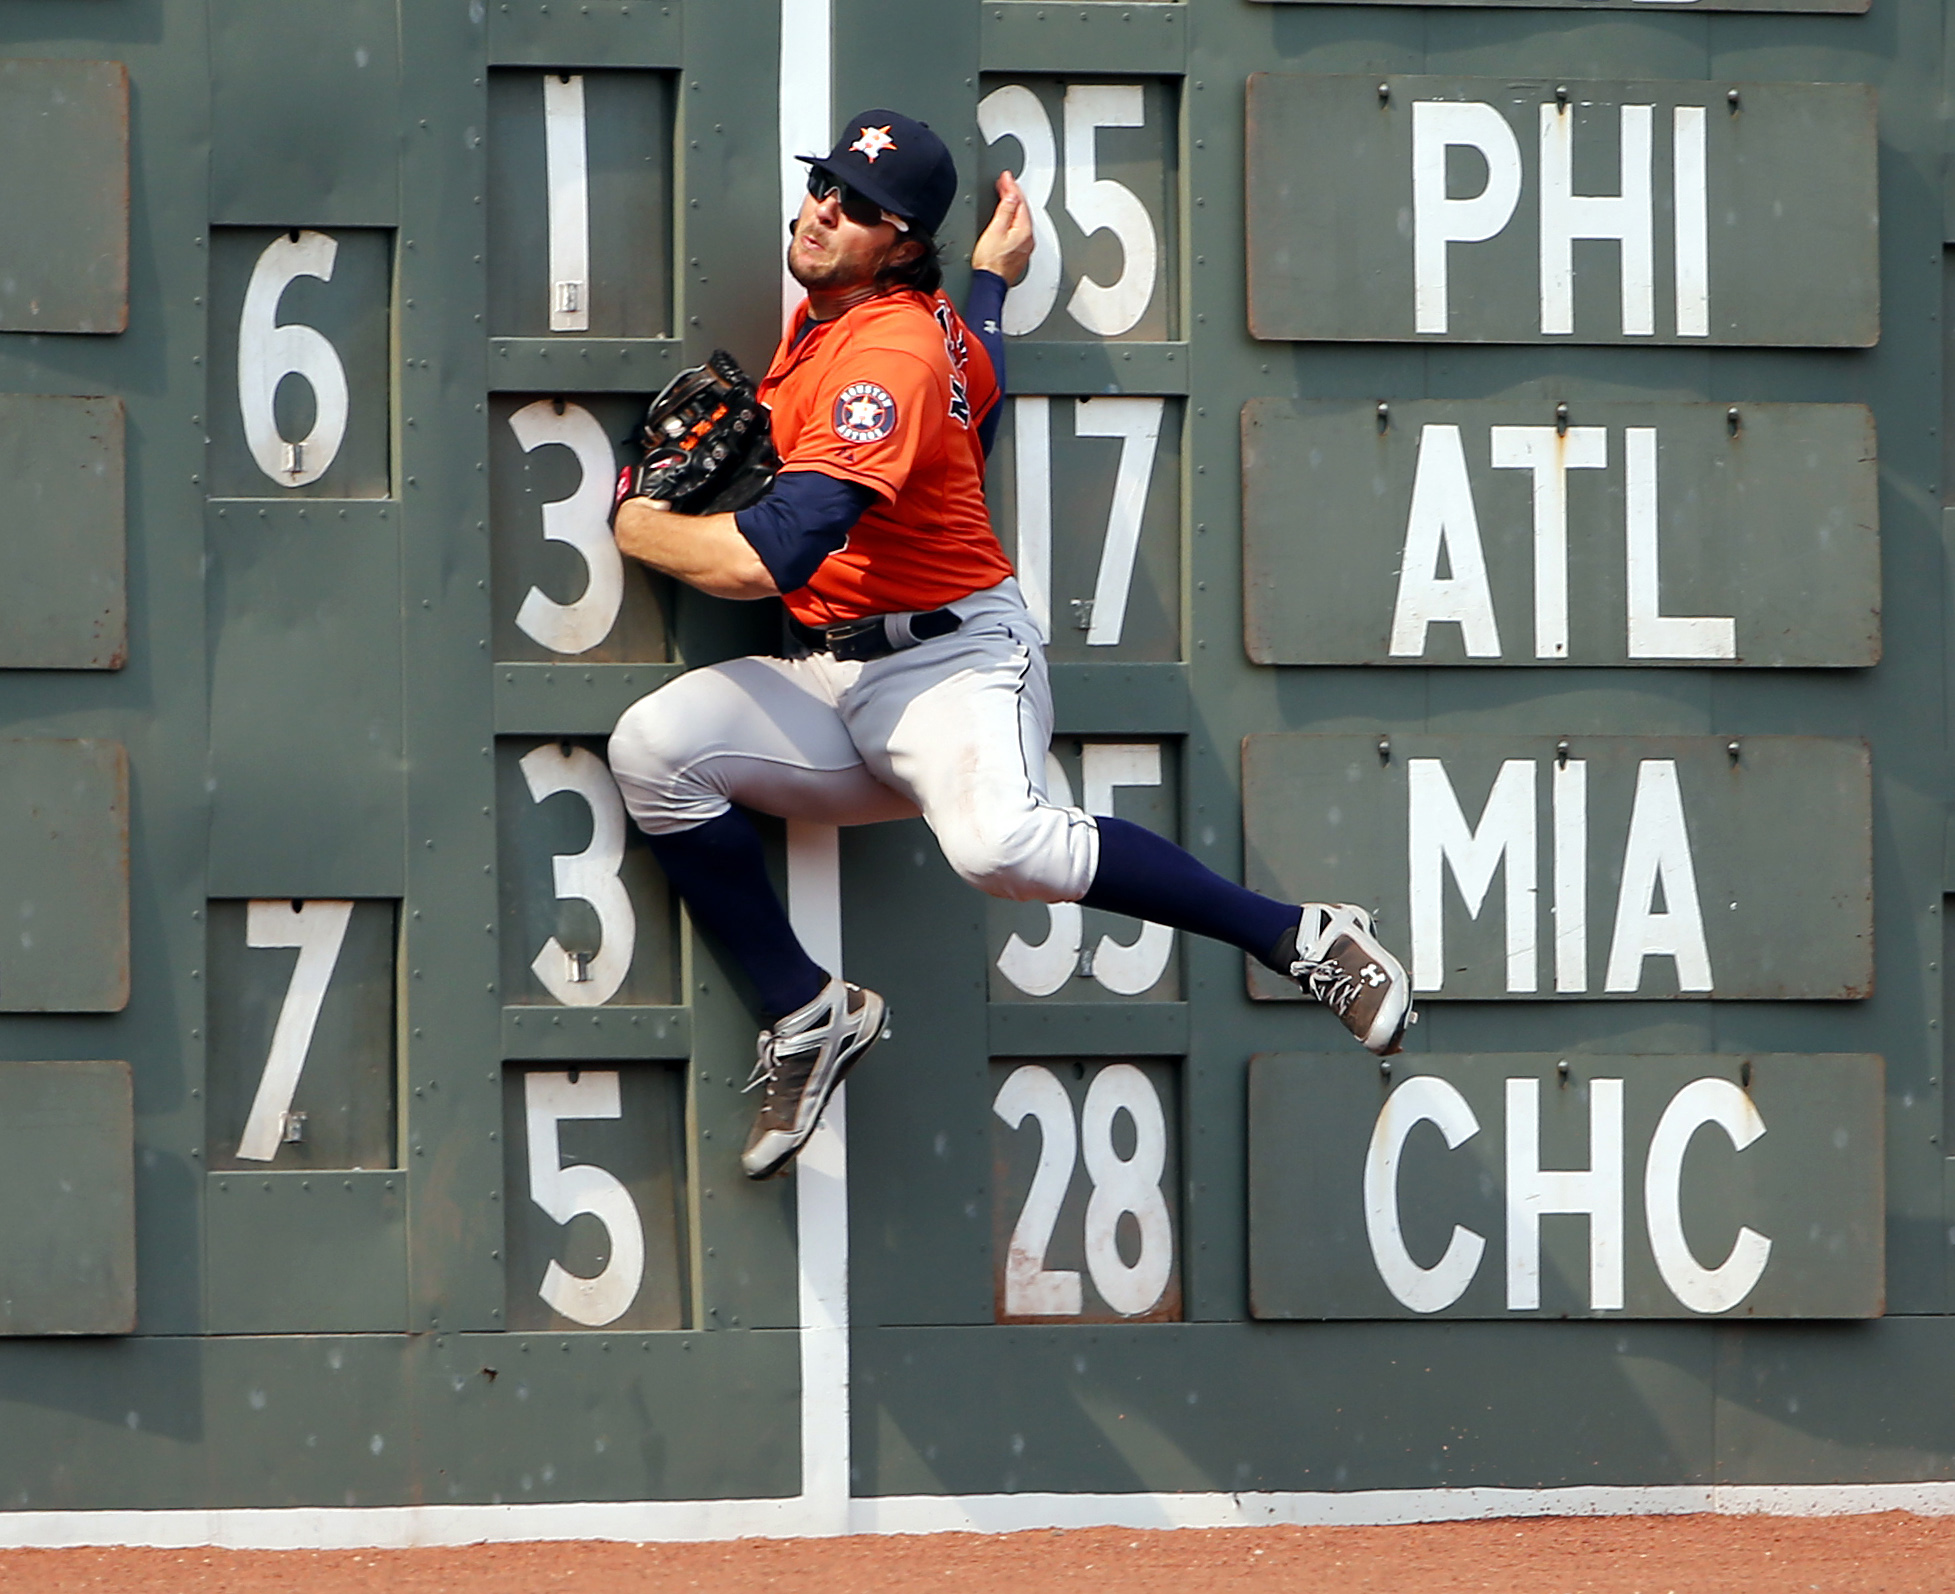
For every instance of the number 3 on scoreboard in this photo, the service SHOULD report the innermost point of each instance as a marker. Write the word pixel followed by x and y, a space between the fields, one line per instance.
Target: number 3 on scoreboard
pixel 590 876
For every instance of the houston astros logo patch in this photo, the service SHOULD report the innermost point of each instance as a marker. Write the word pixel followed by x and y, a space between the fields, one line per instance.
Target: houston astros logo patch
pixel 873 142
pixel 864 413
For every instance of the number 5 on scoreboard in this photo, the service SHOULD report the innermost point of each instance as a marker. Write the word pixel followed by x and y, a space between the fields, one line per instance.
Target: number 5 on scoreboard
pixel 318 930
pixel 566 1192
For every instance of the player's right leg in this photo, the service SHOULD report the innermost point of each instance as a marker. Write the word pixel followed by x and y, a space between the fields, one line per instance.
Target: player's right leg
pixel 760 734
pixel 961 726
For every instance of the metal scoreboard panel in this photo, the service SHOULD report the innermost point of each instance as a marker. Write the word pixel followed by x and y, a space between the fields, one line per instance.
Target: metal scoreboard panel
pixel 1509 533
pixel 561 589
pixel 1588 1186
pixel 1069 953
pixel 1580 867
pixel 1765 194
pixel 1681 5
pixel 372 357
pixel 614 129
pixel 1086 498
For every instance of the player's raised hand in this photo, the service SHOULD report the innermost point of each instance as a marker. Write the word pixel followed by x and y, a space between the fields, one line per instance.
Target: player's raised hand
pixel 1006 245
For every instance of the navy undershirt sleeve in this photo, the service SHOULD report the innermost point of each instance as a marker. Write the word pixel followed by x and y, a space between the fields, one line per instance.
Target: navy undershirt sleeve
pixel 984 314
pixel 802 520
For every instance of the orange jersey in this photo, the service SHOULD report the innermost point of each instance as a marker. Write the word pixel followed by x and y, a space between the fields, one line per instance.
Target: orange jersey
pixel 889 395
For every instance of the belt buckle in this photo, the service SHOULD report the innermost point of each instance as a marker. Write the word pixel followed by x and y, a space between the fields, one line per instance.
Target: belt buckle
pixel 855 641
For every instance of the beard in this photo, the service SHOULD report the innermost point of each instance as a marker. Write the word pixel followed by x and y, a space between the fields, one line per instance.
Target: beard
pixel 830 275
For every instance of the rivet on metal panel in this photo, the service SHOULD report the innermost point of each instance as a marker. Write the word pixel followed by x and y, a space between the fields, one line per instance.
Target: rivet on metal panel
pixel 1744 1074
pixel 1384 418
pixel 1561 420
pixel 1384 93
pixel 1561 753
pixel 1561 95
pixel 1384 749
pixel 1732 420
pixel 1384 1068
pixel 1731 99
pixel 1561 1071
pixel 1733 749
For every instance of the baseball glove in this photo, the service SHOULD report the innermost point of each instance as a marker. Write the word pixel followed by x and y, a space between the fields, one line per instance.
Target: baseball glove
pixel 706 443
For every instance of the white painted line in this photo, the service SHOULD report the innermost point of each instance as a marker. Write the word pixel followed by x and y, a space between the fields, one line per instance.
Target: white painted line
pixel 814 903
pixel 1031 442
pixel 805 108
pixel 676 1521
pixel 566 166
pixel 821 1201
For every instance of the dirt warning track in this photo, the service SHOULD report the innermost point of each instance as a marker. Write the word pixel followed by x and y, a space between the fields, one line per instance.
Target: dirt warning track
pixel 1892 1553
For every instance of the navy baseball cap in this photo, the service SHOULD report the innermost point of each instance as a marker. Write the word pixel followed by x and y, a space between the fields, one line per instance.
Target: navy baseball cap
pixel 899 163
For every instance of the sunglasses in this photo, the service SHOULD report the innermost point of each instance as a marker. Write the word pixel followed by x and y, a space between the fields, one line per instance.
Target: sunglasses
pixel 858 207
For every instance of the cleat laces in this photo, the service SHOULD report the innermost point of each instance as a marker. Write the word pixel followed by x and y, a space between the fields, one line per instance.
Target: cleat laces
pixel 1335 986
pixel 765 1067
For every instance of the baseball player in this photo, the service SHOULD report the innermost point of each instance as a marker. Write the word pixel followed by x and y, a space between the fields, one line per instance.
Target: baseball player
pixel 916 681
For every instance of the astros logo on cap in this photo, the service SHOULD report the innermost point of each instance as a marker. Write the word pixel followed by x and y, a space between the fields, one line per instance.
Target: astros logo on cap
pixel 864 413
pixel 873 142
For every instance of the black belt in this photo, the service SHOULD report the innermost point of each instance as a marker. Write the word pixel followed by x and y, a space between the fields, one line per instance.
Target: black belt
pixel 878 636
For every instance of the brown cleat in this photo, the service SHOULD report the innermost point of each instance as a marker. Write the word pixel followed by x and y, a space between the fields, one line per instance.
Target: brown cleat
pixel 802 1059
pixel 1342 963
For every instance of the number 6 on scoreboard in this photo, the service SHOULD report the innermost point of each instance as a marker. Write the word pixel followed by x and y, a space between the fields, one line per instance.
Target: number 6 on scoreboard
pixel 318 930
pixel 270 350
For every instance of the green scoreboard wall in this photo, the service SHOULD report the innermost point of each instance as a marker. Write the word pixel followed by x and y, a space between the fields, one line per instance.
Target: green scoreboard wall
pixel 1482 461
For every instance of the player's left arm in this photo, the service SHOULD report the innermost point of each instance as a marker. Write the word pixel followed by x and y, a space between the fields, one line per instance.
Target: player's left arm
pixel 998 263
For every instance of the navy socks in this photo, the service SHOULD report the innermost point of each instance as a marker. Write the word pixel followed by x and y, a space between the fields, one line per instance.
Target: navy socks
pixel 719 869
pixel 1148 877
